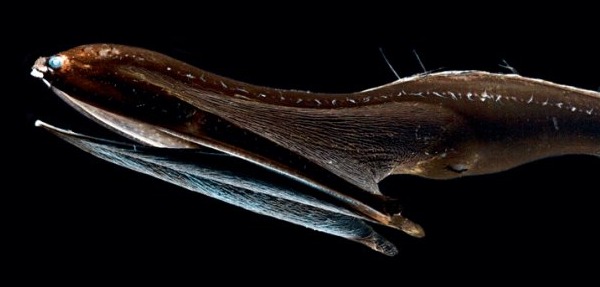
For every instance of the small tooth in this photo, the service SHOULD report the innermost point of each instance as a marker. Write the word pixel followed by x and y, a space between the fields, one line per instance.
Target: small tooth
pixel 36 73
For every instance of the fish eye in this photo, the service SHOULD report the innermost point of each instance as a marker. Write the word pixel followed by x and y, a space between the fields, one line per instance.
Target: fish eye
pixel 55 62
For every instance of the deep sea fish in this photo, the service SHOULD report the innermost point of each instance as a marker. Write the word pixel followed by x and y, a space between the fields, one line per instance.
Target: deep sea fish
pixel 314 159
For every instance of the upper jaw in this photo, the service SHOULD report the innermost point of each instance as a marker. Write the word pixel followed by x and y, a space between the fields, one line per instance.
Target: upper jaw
pixel 39 69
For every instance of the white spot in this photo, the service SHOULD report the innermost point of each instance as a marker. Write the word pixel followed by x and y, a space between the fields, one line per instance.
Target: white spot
pixel 317 101
pixel 223 85
pixel 261 95
pixel 367 99
pixel 333 102
pixel 202 78
pixel 470 96
pixel 240 96
pixel 573 109
pixel 485 95
pixel 559 105
pixel 37 74
pixel 438 94
pixel 589 112
pixel 298 101
pixel 190 76
pixel 453 95
pixel 498 97
pixel 530 100
pixel 545 102
pixel 282 98
pixel 168 68
pixel 555 122
pixel 351 100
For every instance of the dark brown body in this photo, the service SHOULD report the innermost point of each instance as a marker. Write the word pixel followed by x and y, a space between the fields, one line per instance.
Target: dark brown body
pixel 440 125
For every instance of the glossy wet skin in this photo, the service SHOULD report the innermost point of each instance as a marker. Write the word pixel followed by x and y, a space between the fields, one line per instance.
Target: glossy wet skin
pixel 442 125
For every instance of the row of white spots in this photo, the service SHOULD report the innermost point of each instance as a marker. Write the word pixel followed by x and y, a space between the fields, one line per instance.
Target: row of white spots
pixel 559 105
pixel 189 75
pixel 485 95
pixel 333 102
pixel 471 96
pixel 133 56
pixel 366 99
pixel 324 101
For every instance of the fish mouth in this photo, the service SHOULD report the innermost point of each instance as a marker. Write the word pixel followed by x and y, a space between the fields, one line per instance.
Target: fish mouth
pixel 39 69
pixel 160 137
pixel 130 128
pixel 136 130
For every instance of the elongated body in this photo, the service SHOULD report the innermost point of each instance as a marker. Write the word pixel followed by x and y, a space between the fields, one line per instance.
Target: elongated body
pixel 440 125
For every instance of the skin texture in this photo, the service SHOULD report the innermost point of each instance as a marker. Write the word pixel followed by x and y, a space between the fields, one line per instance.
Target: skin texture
pixel 441 125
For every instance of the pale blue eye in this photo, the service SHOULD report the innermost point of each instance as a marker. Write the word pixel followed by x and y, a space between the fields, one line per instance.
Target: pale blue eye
pixel 55 62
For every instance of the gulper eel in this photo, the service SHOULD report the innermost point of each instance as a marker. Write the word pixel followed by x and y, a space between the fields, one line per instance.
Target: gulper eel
pixel 314 159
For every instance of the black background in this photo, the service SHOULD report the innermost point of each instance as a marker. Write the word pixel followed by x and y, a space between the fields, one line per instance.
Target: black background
pixel 74 215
